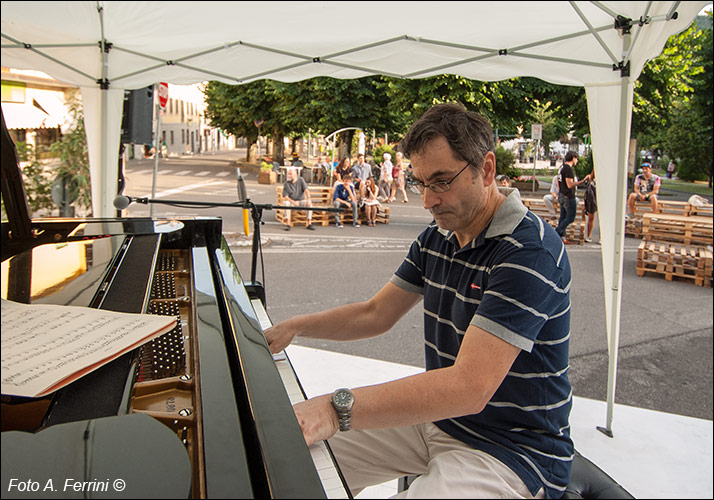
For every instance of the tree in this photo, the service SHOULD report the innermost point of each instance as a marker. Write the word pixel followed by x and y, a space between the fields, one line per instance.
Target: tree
pixel 72 152
pixel 689 134
pixel 235 108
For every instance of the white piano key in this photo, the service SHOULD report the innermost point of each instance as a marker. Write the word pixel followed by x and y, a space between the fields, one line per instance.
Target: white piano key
pixel 321 457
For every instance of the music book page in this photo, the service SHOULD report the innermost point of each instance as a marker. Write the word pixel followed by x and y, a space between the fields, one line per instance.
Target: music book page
pixel 46 347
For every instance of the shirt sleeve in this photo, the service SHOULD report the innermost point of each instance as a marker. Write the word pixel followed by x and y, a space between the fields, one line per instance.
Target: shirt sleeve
pixel 409 275
pixel 524 291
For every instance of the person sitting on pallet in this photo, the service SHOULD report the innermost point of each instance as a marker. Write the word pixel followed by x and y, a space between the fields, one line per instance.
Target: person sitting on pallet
pixel 296 194
pixel 646 188
pixel 371 203
pixel 361 171
pixel 345 196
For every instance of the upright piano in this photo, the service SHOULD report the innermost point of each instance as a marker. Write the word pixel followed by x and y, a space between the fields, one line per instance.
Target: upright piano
pixel 201 412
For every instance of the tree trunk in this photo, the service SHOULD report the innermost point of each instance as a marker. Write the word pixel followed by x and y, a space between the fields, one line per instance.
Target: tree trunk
pixel 344 143
pixel 251 150
pixel 278 145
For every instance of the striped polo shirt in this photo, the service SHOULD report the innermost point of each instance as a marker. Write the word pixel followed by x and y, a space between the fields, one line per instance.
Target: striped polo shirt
pixel 513 281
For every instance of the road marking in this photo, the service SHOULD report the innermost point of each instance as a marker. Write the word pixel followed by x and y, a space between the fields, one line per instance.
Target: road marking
pixel 222 174
pixel 188 188
pixel 202 174
pixel 183 172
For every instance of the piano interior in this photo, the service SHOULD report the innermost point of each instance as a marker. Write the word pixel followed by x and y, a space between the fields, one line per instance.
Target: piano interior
pixel 211 381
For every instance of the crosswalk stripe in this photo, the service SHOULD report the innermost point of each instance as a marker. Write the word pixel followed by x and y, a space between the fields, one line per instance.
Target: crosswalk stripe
pixel 200 174
pixel 222 174
pixel 183 172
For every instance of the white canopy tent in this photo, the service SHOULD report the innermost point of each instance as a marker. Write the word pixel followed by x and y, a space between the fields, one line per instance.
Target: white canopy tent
pixel 108 46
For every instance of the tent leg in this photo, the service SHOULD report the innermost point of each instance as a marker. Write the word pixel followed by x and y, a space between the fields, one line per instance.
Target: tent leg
pixel 616 297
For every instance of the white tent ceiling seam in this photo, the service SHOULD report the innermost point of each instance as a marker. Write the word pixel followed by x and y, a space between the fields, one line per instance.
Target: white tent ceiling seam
pixel 620 23
pixel 601 46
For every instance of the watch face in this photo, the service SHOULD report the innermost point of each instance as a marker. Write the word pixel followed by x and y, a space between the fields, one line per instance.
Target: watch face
pixel 342 399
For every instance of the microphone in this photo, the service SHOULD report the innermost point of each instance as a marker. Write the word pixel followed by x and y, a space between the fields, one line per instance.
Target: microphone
pixel 243 196
pixel 242 193
pixel 121 201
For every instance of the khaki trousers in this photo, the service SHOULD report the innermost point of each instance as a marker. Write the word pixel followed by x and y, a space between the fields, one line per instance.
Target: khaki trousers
pixel 447 468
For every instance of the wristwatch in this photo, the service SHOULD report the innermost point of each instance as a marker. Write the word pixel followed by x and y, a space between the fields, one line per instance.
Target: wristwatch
pixel 342 401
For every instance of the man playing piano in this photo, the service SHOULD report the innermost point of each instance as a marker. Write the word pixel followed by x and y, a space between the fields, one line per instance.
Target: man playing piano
pixel 490 416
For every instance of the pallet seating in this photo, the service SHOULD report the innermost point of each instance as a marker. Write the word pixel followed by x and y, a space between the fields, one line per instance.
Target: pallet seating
pixel 321 196
pixel 574 232
pixel 674 260
pixel 633 225
pixel 676 246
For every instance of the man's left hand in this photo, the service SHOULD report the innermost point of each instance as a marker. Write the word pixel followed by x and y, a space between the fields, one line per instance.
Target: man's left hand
pixel 317 418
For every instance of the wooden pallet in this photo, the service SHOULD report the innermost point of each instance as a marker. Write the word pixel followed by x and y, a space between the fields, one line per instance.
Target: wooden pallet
pixel 574 232
pixel 705 211
pixel 321 196
pixel 633 225
pixel 675 261
pixel 685 230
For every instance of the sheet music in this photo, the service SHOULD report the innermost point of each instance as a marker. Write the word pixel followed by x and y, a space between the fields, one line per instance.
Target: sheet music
pixel 45 347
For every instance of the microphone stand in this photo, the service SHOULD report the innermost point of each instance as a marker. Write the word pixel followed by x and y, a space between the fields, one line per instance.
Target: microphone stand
pixel 257 215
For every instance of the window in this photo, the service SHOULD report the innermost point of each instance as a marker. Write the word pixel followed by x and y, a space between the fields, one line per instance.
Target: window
pixel 172 137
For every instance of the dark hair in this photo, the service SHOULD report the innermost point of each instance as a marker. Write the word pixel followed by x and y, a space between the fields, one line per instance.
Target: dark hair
pixel 570 155
pixel 469 134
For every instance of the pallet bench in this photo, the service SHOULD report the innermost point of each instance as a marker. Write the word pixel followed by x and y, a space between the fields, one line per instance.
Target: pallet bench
pixel 674 260
pixel 633 225
pixel 683 229
pixel 321 196
pixel 676 246
pixel 574 232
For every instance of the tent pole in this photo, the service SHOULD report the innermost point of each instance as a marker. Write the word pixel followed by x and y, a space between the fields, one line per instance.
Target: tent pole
pixel 616 297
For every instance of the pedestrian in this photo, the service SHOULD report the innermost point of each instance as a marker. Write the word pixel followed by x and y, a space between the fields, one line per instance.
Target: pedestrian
pixel 566 194
pixel 399 177
pixel 385 179
pixel 590 205
pixel 490 416
pixel 670 169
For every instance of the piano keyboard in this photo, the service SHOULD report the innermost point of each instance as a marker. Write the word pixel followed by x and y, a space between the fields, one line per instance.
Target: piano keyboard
pixel 321 455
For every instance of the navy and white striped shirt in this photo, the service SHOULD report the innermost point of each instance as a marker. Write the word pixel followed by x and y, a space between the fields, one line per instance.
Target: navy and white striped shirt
pixel 513 281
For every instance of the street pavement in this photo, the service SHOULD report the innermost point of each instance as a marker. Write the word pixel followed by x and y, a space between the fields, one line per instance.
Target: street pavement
pixel 665 354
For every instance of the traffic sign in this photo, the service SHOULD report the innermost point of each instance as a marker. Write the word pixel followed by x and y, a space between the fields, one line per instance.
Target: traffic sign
pixel 258 122
pixel 537 131
pixel 163 94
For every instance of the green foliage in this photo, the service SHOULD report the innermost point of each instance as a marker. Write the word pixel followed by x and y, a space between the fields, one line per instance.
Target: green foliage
pixel 584 167
pixel 688 136
pixel 379 153
pixel 505 159
pixel 73 153
pixel 36 178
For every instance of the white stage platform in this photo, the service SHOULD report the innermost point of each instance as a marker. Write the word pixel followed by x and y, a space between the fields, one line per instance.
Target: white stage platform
pixel 652 454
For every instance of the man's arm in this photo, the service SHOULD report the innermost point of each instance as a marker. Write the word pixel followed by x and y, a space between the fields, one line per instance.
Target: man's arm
pixel 462 389
pixel 359 320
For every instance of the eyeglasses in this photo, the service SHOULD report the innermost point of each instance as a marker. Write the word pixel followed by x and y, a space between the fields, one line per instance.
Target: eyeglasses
pixel 439 186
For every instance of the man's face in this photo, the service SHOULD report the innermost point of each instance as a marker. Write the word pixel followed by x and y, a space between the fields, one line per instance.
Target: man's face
pixel 456 208
pixel 360 159
pixel 647 171
pixel 292 175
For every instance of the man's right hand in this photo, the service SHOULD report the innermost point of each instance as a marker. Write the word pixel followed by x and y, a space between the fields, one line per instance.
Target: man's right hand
pixel 279 336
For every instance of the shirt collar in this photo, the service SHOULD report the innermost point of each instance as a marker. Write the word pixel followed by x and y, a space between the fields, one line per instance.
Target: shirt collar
pixel 504 221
